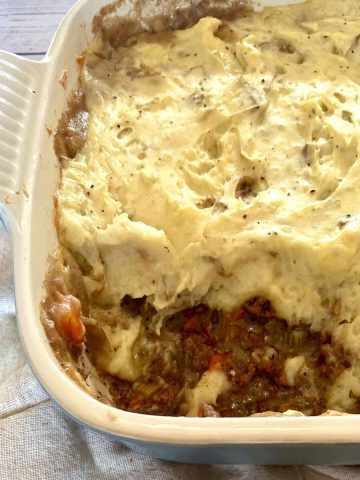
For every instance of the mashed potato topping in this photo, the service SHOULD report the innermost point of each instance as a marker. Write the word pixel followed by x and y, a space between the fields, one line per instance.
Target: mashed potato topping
pixel 222 163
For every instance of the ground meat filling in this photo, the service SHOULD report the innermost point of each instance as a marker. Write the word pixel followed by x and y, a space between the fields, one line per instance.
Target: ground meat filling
pixel 253 348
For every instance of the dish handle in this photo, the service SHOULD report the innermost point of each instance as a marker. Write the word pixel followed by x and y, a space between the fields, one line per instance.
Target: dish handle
pixel 20 84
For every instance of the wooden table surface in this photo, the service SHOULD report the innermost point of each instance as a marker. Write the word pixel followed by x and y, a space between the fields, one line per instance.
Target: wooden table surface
pixel 27 26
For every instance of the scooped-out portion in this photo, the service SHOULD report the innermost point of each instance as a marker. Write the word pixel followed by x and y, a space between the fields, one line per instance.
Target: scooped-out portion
pixel 208 216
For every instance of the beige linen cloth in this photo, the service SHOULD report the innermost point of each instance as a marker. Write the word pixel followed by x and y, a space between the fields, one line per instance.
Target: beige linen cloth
pixel 38 442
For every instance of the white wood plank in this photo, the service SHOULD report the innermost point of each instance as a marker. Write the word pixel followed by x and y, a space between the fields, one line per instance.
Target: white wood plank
pixel 27 27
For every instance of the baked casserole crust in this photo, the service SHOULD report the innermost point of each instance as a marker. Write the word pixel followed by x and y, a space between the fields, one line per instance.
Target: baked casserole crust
pixel 208 214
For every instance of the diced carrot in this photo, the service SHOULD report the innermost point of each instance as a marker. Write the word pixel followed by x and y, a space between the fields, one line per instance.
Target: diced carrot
pixel 67 317
pixel 217 361
pixel 135 402
pixel 237 315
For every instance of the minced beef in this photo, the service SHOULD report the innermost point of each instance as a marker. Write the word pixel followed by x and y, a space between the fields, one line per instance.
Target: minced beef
pixel 250 345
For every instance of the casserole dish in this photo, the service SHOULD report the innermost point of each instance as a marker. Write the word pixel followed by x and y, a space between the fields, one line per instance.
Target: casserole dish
pixel 32 97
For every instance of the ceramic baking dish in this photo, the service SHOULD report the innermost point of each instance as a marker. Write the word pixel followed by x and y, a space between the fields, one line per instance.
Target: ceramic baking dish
pixel 31 101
